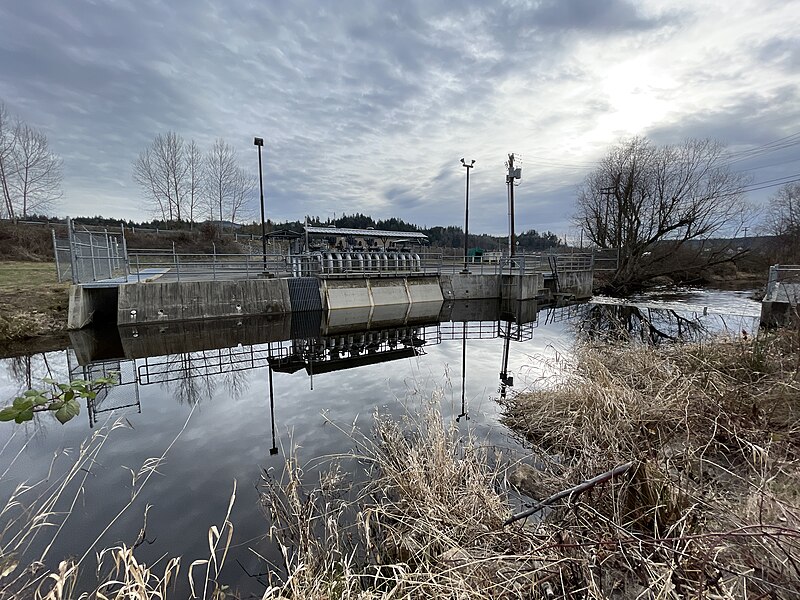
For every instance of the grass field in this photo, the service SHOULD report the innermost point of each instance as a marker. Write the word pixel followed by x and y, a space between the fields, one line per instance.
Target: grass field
pixel 32 302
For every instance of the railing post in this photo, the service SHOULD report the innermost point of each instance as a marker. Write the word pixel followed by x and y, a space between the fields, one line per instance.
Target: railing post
pixel 176 262
pixel 214 261
pixel 55 253
pixel 91 255
pixel 125 259
pixel 108 254
pixel 138 271
pixel 73 249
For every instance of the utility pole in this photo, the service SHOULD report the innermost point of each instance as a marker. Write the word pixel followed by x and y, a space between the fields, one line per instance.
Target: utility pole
pixel 510 177
pixel 466 216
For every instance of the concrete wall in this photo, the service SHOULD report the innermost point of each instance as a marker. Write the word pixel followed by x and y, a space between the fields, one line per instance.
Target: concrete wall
pixel 522 287
pixel 186 300
pixel 95 305
pixel 578 283
pixel 460 286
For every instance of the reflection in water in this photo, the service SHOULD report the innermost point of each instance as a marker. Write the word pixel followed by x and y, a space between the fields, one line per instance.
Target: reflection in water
pixel 192 360
pixel 604 322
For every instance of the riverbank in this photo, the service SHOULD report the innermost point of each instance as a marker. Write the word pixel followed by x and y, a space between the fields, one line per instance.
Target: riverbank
pixel 33 304
pixel 704 501
pixel 707 505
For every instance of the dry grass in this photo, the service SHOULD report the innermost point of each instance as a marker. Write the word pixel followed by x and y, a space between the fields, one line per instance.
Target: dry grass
pixel 32 302
pixel 35 514
pixel 710 509
pixel 427 523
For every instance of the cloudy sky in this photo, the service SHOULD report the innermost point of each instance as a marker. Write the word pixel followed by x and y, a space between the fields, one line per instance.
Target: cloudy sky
pixel 368 106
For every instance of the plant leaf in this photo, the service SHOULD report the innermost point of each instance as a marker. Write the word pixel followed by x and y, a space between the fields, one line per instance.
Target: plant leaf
pixel 9 413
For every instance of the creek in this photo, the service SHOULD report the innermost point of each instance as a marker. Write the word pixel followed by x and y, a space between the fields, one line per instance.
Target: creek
pixel 205 390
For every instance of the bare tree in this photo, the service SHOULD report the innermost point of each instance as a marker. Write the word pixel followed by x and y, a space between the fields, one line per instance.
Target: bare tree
pixel 221 178
pixel 162 170
pixel 195 175
pixel 649 201
pixel 783 219
pixel 244 185
pixel 8 142
pixel 37 184
pixel 30 174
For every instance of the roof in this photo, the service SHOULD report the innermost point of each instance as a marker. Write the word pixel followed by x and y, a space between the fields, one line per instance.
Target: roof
pixel 284 233
pixel 372 233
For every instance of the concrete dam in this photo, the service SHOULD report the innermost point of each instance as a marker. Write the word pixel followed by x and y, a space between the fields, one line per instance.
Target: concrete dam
pixel 163 301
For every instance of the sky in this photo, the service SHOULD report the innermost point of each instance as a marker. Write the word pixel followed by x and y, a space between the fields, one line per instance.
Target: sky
pixel 369 106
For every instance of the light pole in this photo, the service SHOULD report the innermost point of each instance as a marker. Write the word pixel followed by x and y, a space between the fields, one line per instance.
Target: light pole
pixel 466 215
pixel 260 143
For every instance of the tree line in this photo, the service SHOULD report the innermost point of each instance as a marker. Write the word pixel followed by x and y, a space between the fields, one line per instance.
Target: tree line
pixel 30 173
pixel 450 236
pixel 183 183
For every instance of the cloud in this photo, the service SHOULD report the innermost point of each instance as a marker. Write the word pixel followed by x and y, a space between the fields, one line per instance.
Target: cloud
pixel 367 107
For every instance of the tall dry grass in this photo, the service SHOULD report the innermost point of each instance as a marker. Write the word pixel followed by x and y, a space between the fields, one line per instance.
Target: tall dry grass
pixel 712 508
pixel 709 510
pixel 34 516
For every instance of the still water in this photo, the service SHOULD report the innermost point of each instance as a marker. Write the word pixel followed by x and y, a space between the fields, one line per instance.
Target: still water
pixel 230 399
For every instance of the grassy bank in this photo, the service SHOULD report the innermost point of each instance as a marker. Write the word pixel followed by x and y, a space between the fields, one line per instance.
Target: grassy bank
pixel 711 507
pixel 32 302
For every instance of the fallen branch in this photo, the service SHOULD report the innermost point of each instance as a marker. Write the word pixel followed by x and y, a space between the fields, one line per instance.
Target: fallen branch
pixel 573 491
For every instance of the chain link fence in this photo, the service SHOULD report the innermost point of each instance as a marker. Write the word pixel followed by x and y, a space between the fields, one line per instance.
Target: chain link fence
pixel 86 256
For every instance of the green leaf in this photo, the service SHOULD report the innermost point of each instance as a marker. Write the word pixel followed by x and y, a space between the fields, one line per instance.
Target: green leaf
pixel 9 413
pixel 69 396
pixel 55 405
pixel 30 393
pixel 49 380
pixel 24 415
pixel 63 386
pixel 40 400
pixel 23 403
pixel 91 394
pixel 68 411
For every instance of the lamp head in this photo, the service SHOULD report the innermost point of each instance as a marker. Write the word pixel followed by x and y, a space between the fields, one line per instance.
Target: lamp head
pixel 258 141
pixel 463 163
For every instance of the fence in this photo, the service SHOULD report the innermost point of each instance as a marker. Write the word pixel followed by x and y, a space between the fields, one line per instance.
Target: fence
pixel 94 256
pixel 214 266
pixel 88 256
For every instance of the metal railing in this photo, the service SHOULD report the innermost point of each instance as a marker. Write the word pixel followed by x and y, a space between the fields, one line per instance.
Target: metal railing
pixel 783 284
pixel 97 256
pixel 146 264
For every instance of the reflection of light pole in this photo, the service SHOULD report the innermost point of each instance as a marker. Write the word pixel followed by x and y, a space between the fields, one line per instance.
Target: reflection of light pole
pixel 260 143
pixel 463 373
pixel 274 450
pixel 466 213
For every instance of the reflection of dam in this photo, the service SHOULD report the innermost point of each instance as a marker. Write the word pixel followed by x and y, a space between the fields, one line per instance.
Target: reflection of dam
pixel 314 342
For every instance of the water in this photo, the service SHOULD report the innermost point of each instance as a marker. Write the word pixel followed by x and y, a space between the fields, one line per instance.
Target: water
pixel 204 390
